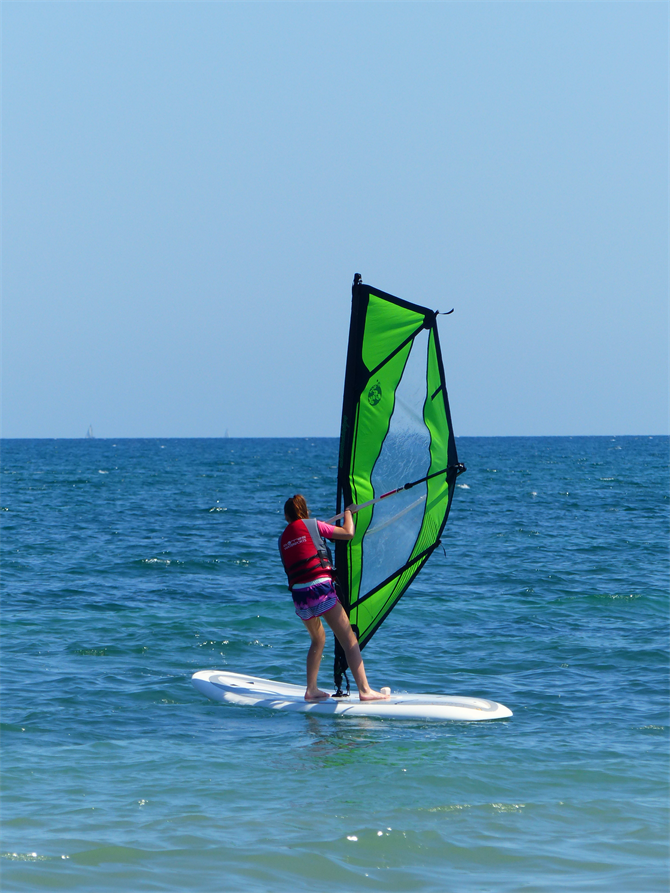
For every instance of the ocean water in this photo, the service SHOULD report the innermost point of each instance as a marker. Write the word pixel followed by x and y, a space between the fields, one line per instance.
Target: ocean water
pixel 130 564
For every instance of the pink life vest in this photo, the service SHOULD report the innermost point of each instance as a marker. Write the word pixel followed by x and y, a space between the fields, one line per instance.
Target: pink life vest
pixel 304 553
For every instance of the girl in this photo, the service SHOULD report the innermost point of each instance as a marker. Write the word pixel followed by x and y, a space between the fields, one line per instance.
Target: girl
pixel 308 565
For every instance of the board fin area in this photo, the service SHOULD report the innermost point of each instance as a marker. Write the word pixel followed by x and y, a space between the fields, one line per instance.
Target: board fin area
pixel 253 691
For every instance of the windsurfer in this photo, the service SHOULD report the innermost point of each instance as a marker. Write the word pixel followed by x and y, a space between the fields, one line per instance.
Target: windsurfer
pixel 308 565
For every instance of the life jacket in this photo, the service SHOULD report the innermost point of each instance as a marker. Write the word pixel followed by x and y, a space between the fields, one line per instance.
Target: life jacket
pixel 304 552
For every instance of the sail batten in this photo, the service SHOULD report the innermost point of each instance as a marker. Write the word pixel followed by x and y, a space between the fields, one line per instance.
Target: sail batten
pixel 396 428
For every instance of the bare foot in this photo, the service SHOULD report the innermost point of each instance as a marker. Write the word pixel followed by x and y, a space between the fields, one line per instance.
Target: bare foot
pixel 372 695
pixel 317 695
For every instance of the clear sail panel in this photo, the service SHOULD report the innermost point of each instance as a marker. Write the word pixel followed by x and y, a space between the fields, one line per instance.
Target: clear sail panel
pixel 405 456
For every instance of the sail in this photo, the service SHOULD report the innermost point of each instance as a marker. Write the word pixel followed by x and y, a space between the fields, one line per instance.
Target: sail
pixel 396 430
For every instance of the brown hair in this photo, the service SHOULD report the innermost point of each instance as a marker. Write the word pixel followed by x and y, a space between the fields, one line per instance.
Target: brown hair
pixel 295 508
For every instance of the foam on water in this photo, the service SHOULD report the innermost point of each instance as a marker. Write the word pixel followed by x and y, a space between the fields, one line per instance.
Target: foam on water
pixel 551 598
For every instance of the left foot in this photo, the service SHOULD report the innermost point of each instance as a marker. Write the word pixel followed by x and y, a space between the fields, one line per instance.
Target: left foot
pixel 317 695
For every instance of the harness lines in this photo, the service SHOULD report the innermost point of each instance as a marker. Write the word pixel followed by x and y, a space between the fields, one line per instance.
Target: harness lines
pixel 304 552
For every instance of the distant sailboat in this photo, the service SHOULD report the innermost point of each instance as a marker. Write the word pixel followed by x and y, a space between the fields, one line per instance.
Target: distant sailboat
pixel 90 433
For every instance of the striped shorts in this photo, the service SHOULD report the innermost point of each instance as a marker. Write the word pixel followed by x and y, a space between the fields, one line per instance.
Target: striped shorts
pixel 313 601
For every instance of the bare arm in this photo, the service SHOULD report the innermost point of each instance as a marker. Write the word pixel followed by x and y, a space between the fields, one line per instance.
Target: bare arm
pixel 347 530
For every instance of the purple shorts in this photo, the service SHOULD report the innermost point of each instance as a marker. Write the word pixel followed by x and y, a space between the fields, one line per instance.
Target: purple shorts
pixel 313 601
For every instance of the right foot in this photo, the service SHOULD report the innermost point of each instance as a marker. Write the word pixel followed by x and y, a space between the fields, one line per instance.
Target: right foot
pixel 371 695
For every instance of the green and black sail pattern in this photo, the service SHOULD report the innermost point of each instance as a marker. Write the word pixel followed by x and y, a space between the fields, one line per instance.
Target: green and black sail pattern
pixel 396 428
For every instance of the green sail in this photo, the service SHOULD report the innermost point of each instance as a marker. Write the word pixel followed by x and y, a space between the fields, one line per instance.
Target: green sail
pixel 396 428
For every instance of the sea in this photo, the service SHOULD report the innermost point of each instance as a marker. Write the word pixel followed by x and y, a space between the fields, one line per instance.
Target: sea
pixel 130 564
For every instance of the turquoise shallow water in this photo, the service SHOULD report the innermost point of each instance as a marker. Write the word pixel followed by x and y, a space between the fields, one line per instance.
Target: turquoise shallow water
pixel 128 565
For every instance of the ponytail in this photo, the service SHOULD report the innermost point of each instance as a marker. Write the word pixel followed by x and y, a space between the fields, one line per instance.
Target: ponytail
pixel 295 508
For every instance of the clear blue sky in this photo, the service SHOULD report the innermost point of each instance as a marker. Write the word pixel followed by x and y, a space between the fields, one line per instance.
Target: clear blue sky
pixel 190 187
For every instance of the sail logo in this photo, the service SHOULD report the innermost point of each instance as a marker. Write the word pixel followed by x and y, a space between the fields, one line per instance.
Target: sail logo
pixel 375 394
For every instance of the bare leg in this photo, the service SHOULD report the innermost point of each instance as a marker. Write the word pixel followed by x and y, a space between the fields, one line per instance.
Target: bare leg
pixel 314 655
pixel 338 621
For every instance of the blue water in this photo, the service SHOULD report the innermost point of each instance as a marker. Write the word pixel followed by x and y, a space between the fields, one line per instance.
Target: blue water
pixel 128 565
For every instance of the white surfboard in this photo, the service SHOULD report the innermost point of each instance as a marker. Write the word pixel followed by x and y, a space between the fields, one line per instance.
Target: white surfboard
pixel 251 691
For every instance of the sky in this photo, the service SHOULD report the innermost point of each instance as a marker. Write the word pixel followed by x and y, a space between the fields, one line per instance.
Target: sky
pixel 189 188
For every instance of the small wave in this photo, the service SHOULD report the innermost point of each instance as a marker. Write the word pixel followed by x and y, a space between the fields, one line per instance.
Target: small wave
pixel 29 857
pixel 100 471
pixel 508 807
pixel 463 486
pixel 93 652
pixel 613 595
pixel 454 807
